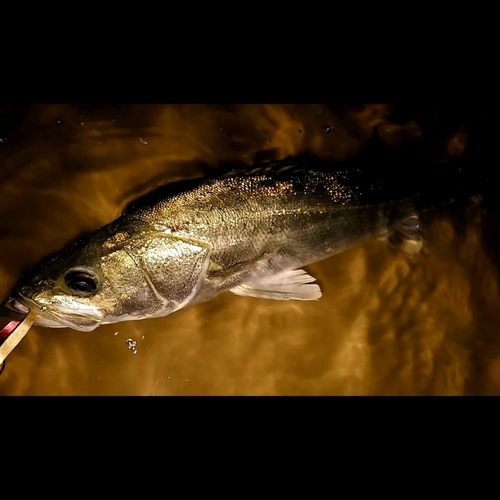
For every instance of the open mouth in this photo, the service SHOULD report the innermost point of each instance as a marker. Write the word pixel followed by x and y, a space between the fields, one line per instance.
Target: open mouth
pixel 16 306
pixel 55 317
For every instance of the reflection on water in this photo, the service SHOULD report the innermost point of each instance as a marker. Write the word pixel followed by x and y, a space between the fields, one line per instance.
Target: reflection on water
pixel 132 345
pixel 386 324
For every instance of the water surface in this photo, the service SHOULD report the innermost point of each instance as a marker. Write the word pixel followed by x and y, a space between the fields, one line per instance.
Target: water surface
pixel 386 324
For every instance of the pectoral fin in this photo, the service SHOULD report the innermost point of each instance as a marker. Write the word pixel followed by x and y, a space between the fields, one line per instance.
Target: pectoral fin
pixel 288 285
pixel 219 276
pixel 251 270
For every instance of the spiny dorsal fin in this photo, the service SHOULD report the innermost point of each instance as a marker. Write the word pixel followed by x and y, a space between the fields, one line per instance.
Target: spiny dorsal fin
pixel 274 167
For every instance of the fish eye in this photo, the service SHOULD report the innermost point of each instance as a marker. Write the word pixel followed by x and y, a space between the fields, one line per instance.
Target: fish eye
pixel 81 281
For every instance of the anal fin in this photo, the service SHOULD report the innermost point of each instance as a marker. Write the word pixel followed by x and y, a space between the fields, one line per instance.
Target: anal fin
pixel 406 235
pixel 288 285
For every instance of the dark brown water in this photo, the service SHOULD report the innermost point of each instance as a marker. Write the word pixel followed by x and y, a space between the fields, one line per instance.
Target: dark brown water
pixel 386 324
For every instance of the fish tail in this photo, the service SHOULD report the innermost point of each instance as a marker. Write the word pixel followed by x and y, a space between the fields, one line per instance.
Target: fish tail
pixel 457 181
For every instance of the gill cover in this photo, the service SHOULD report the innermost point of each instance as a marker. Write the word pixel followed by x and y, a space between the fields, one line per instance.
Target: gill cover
pixel 174 266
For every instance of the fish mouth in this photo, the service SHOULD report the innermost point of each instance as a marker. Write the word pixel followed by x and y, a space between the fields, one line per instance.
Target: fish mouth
pixel 16 306
pixel 55 317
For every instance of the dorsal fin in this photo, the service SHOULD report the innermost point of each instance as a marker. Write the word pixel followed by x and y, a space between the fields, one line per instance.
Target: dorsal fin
pixel 274 167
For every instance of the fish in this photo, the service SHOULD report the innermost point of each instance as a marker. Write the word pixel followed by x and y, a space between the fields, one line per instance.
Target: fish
pixel 249 231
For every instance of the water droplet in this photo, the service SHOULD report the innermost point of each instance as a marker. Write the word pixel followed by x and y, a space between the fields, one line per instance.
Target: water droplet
pixel 116 333
pixel 43 308
pixel 2 139
pixel 326 130
pixel 58 121
pixel 131 344
pixel 300 131
pixel 142 337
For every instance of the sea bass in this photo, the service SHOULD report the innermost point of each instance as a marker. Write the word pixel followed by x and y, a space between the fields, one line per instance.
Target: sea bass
pixel 249 231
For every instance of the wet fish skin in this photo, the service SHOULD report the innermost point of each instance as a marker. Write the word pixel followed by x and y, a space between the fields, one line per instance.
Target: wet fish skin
pixel 245 231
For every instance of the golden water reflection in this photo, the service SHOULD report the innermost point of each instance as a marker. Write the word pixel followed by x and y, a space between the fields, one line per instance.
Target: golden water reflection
pixel 386 324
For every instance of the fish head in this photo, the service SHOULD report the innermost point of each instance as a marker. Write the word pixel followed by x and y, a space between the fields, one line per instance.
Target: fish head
pixel 112 276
